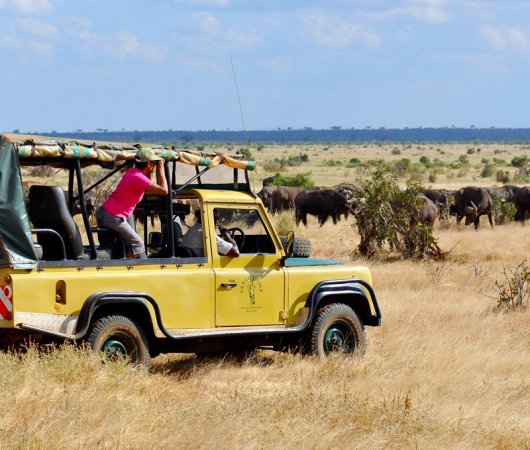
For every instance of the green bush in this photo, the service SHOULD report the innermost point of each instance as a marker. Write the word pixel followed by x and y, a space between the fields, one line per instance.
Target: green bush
pixel 487 169
pixel 402 167
pixel 246 153
pixel 514 293
pixel 520 161
pixel 502 176
pixel 503 212
pixel 300 180
pixel 425 161
pixel 354 162
pixel 387 218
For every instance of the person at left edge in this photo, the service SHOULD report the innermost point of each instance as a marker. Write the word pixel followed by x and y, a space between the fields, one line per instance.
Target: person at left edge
pixel 120 205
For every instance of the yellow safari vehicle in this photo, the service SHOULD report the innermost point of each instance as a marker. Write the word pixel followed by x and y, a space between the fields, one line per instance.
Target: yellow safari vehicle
pixel 62 278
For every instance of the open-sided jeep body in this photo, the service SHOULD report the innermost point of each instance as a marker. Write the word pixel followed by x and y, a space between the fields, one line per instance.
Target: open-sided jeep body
pixel 65 279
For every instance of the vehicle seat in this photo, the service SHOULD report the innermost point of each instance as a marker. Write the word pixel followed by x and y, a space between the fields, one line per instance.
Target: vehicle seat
pixel 111 242
pixel 48 210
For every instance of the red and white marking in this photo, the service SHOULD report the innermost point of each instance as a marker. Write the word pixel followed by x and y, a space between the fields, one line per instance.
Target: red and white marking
pixel 6 302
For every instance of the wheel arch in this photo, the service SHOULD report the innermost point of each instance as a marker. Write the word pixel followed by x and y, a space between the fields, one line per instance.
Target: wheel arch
pixel 131 305
pixel 351 292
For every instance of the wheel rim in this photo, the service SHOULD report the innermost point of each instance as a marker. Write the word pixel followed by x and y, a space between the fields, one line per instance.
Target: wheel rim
pixel 116 348
pixel 338 339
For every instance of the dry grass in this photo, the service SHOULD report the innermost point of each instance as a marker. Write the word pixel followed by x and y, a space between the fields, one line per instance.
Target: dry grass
pixel 444 371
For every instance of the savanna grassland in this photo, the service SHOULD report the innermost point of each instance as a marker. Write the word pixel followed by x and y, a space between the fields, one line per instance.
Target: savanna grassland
pixel 447 368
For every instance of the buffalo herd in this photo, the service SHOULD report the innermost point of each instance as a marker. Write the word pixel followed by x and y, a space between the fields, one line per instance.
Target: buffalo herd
pixel 469 202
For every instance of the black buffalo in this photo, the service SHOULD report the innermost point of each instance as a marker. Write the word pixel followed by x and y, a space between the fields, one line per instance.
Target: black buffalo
pixel 522 203
pixel 440 198
pixel 283 198
pixel 266 195
pixel 472 202
pixel 504 193
pixel 323 203
pixel 428 210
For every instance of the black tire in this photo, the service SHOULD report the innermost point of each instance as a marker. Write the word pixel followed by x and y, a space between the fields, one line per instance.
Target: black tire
pixel 337 330
pixel 118 337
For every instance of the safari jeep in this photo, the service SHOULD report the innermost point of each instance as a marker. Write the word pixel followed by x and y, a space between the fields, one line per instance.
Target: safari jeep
pixel 64 279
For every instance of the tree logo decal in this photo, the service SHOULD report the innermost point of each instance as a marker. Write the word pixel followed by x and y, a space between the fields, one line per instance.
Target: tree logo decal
pixel 252 284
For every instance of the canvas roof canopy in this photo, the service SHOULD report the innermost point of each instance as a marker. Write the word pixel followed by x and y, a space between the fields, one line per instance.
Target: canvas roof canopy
pixel 16 242
pixel 31 149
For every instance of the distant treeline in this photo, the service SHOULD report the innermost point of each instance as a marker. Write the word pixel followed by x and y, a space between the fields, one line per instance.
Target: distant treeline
pixel 335 134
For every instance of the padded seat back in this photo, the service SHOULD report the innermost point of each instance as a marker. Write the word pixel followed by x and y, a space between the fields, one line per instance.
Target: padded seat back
pixel 48 210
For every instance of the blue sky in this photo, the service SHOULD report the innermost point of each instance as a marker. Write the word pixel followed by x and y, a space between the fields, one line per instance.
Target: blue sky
pixel 165 64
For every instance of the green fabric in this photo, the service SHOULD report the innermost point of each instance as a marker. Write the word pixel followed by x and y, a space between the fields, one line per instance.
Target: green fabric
pixel 16 243
pixel 297 262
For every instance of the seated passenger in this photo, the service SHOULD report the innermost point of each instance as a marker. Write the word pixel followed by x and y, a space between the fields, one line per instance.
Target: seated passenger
pixel 194 240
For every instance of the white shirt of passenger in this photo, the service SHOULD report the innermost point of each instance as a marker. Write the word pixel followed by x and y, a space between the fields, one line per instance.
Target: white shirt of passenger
pixel 193 240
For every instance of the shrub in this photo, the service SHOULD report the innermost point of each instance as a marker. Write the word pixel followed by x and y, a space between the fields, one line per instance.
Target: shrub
pixel 386 217
pixel 354 162
pixel 246 153
pixel 402 166
pixel 514 293
pixel 425 161
pixel 503 212
pixel 332 163
pixel 396 151
pixel 519 161
pixel 521 176
pixel 487 169
pixel 502 176
pixel 302 180
pixel 470 151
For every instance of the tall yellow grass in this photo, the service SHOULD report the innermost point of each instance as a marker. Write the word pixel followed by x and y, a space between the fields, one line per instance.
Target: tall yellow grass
pixel 444 371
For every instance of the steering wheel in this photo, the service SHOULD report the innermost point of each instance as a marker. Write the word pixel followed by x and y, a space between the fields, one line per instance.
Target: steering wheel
pixel 240 238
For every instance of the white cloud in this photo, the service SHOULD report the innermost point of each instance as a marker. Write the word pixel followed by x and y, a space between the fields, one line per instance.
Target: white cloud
pixel 505 38
pixel 36 27
pixel 430 14
pixel 120 45
pixel 26 6
pixel 206 23
pixel 124 45
pixel 427 11
pixel 242 38
pixel 279 64
pixel 336 33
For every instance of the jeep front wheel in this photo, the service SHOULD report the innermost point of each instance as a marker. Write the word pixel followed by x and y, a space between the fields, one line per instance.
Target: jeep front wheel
pixel 337 330
pixel 120 338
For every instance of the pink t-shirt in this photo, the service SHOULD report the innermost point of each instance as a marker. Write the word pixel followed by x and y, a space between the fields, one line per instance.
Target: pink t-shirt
pixel 128 193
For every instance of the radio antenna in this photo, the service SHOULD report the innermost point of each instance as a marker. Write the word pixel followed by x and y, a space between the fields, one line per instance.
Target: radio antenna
pixel 238 98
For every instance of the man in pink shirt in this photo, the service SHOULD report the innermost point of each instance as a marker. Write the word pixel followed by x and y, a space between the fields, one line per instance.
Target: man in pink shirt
pixel 120 205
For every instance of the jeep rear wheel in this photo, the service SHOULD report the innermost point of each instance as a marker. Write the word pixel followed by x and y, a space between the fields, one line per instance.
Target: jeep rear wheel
pixel 337 330
pixel 120 338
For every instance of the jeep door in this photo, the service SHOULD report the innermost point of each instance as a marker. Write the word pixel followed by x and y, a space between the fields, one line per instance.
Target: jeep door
pixel 249 289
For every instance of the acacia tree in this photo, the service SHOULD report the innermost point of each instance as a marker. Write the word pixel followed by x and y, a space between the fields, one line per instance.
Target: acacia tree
pixel 387 217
